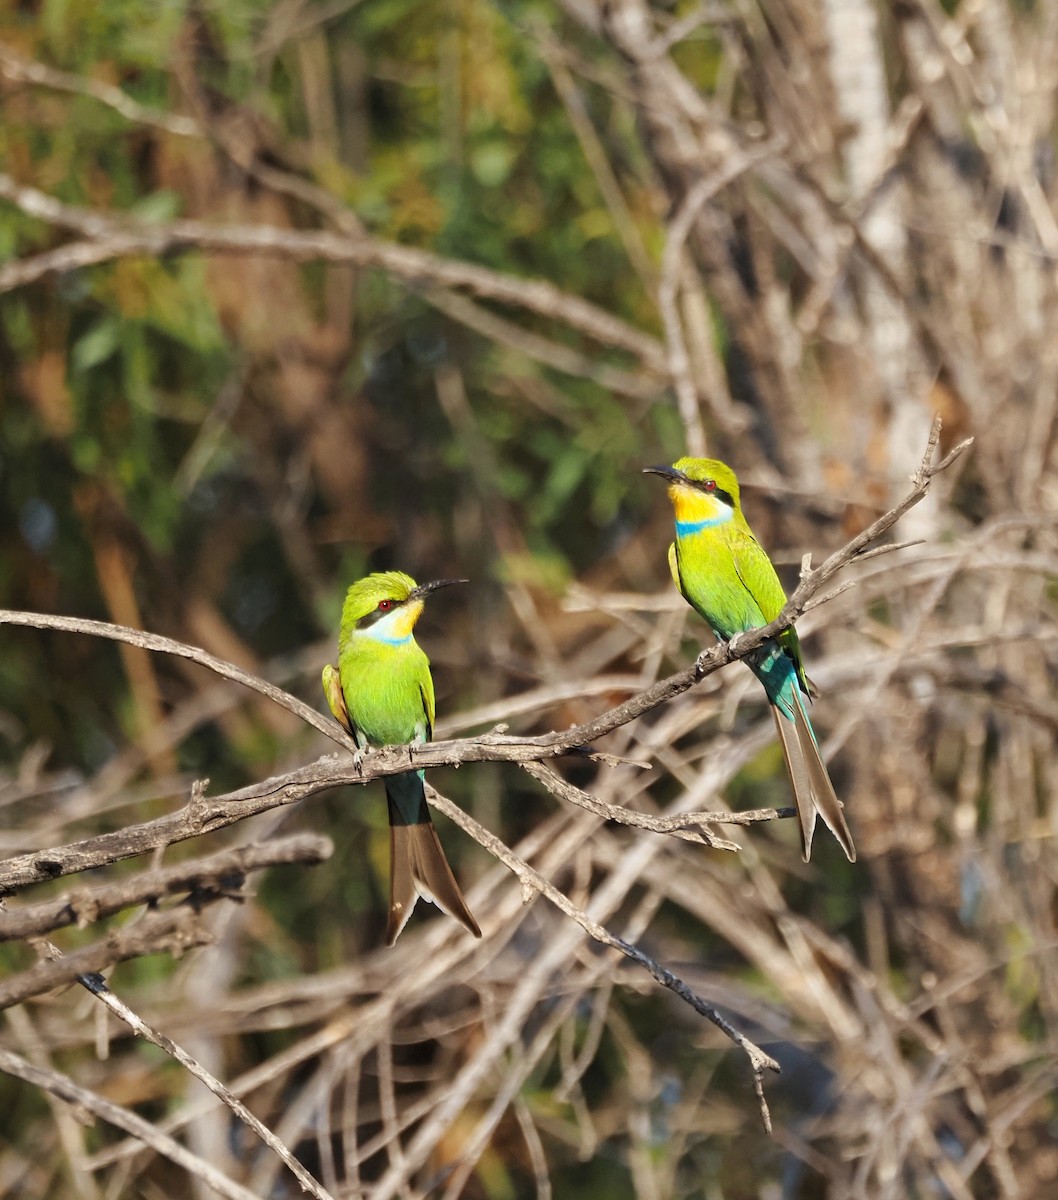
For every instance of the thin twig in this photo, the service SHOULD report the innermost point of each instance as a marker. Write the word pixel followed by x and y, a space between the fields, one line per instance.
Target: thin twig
pixel 672 268
pixel 173 932
pixel 110 237
pixel 759 1060
pixel 642 386
pixel 218 875
pixel 164 645
pixel 24 70
pixel 889 548
pixel 625 816
pixel 64 1087
pixel 97 986
pixel 833 594
pixel 204 814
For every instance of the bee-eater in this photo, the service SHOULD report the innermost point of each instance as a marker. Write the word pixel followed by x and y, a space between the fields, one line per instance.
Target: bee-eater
pixel 721 571
pixel 382 694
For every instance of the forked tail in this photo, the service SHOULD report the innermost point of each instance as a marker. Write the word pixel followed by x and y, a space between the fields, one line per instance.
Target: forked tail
pixel 812 789
pixel 418 866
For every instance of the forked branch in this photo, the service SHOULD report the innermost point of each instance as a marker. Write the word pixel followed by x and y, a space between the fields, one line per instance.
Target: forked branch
pixel 204 814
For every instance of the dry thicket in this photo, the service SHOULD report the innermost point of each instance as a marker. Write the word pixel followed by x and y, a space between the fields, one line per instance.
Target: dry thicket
pixel 844 224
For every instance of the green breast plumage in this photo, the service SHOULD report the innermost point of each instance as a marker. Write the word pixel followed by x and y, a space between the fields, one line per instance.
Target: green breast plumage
pixel 388 691
pixel 725 575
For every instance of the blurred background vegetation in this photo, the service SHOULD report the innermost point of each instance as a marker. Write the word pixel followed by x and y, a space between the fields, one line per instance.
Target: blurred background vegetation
pixel 788 232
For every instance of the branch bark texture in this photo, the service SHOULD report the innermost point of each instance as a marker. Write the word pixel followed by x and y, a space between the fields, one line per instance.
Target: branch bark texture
pixel 204 814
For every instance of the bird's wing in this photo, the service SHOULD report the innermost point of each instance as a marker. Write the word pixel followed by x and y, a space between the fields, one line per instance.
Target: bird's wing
pixel 674 571
pixel 756 573
pixel 332 689
pixel 426 692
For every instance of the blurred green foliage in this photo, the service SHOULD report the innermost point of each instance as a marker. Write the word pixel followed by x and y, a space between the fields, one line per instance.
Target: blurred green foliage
pixel 447 133
pixel 163 460
pixel 213 448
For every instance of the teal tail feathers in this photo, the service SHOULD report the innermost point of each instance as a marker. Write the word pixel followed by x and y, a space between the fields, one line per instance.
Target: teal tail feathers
pixel 813 792
pixel 418 866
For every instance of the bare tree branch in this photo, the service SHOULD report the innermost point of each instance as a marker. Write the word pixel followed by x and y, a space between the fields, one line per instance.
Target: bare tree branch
pixel 222 874
pixel 97 986
pixel 64 1087
pixel 531 879
pixel 672 270
pixel 109 237
pixel 541 349
pixel 686 826
pixel 24 70
pixel 164 645
pixel 172 932
pixel 204 814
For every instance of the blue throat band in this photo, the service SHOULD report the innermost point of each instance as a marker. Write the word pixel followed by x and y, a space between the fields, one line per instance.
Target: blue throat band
pixel 684 528
pixel 389 641
pixel 373 635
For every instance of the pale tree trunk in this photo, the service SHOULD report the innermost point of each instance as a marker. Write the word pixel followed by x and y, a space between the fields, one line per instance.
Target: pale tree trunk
pixel 857 75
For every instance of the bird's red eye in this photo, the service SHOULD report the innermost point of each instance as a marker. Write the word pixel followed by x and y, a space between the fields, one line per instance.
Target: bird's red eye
pixel 385 605
pixel 710 485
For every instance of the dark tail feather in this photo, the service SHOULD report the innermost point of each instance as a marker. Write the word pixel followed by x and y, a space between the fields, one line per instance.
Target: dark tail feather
pixel 812 789
pixel 418 867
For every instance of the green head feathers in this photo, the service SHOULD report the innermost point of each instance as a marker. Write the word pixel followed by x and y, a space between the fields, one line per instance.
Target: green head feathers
pixel 703 471
pixel 364 596
pixel 386 594
pixel 708 478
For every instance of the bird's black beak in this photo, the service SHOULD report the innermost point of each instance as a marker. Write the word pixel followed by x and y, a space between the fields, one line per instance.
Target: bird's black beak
pixel 669 473
pixel 424 589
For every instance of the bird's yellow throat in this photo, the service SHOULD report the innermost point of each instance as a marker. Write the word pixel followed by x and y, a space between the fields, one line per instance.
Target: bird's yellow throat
pixel 395 627
pixel 404 619
pixel 692 505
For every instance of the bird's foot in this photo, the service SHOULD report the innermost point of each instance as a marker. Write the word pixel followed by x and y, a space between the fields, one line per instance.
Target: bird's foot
pixel 358 761
pixel 700 662
pixel 734 639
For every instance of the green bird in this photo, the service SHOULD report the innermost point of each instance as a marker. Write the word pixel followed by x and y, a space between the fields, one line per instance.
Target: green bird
pixel 721 571
pixel 382 694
